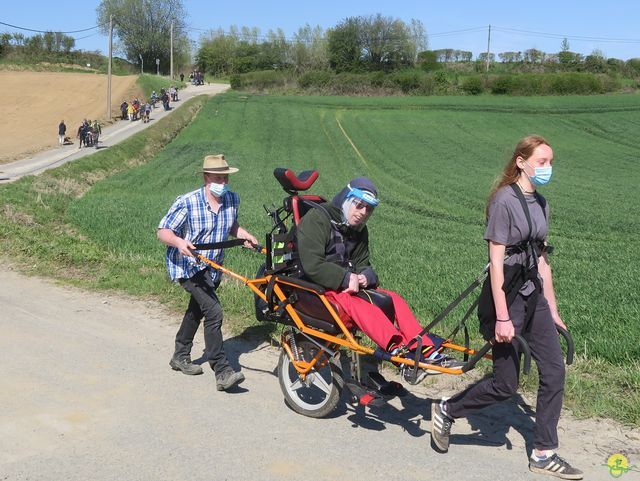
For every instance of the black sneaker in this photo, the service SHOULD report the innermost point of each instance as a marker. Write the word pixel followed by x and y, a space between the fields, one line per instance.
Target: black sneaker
pixel 442 360
pixel 185 365
pixel 407 371
pixel 440 426
pixel 228 379
pixel 554 466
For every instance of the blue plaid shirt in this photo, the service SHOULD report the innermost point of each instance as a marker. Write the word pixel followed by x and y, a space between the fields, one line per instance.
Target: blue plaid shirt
pixel 190 217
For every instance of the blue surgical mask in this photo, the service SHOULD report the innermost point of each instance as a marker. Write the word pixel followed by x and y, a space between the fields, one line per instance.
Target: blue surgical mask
pixel 218 189
pixel 541 175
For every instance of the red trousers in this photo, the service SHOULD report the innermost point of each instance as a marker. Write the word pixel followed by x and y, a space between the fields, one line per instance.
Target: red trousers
pixel 372 321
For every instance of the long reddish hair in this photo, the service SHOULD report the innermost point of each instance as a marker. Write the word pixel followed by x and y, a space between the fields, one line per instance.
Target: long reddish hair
pixel 511 171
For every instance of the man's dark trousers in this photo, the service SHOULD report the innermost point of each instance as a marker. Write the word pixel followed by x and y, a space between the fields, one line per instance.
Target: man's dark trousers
pixel 203 303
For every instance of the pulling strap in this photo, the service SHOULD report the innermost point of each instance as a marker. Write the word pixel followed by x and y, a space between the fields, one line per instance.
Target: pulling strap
pixel 220 245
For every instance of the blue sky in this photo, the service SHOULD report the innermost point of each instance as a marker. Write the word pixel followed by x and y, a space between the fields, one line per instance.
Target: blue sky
pixel 516 25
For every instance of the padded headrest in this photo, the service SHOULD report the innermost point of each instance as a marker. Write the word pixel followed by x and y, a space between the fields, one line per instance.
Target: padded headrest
pixel 293 183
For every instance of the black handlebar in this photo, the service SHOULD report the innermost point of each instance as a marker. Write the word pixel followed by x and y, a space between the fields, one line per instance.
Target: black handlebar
pixel 524 346
pixel 569 340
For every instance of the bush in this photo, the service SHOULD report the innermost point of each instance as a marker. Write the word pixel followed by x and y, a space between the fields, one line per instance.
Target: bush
pixel 315 78
pixel 445 82
pixel 377 79
pixel 502 85
pixel 633 65
pixel 346 83
pixel 236 82
pixel 575 83
pixel 407 80
pixel 418 82
pixel 427 85
pixel 261 80
pixel 566 83
pixel 473 85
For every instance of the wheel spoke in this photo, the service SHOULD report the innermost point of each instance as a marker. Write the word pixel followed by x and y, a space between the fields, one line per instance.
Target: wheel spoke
pixel 297 384
pixel 318 381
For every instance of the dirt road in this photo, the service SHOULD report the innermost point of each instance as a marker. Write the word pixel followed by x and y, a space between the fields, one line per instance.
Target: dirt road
pixel 87 394
pixel 37 101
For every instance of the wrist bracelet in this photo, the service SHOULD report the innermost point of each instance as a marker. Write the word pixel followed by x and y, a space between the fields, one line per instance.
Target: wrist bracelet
pixel 503 320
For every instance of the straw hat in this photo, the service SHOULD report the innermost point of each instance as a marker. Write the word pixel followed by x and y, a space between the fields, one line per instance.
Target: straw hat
pixel 215 164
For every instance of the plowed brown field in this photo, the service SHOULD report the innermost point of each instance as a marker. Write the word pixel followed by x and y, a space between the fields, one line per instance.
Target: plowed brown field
pixel 36 102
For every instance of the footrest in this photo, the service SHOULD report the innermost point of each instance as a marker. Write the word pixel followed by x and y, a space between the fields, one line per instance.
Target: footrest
pixel 384 387
pixel 364 396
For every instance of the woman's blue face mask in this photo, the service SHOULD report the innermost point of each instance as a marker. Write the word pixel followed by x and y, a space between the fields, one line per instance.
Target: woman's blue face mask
pixel 541 175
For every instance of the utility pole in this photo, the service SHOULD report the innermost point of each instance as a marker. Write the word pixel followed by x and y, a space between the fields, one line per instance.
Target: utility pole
pixel 488 49
pixel 109 68
pixel 171 55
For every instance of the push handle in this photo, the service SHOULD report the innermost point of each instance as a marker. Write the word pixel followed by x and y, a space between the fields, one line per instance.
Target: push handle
pixel 524 346
pixel 569 340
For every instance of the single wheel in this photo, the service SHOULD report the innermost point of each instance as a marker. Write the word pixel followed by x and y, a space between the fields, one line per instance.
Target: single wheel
pixel 319 393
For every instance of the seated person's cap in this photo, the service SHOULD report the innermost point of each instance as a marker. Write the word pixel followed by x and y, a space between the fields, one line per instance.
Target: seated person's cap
pixel 361 188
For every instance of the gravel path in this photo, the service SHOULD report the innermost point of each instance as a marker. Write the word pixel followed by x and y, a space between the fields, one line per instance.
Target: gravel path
pixel 87 394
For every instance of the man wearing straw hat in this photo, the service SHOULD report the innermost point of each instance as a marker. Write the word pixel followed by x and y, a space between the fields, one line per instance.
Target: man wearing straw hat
pixel 208 214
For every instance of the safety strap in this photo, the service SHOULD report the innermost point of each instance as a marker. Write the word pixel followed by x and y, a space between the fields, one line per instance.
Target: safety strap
pixel 450 307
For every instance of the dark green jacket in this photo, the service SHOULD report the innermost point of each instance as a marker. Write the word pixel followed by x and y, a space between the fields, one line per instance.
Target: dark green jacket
pixel 315 242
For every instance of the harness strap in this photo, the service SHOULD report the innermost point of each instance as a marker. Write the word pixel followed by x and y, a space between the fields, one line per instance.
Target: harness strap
pixel 531 273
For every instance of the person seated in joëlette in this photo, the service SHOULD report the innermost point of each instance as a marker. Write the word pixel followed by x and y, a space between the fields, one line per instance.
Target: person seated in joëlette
pixel 333 245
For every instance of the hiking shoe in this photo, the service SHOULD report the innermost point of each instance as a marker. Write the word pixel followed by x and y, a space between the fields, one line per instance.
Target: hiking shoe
pixel 442 360
pixel 228 379
pixel 185 365
pixel 440 426
pixel 554 466
pixel 406 372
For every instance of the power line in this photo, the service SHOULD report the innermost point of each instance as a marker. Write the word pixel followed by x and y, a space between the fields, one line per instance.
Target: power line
pixel 86 36
pixel 455 32
pixel 568 37
pixel 47 31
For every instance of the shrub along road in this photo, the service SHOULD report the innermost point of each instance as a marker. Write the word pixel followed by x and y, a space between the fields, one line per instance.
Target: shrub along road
pixel 87 393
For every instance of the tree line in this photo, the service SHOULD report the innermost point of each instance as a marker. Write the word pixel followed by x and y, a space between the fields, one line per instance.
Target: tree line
pixel 48 42
pixel 364 43
pixel 378 43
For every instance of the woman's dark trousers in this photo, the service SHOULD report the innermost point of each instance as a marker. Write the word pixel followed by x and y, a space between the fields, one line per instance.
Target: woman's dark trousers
pixel 545 350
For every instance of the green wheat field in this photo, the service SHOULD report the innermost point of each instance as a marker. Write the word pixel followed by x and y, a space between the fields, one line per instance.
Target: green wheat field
pixel 434 161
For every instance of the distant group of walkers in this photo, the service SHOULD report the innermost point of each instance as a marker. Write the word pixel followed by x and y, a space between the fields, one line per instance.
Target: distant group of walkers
pixel 89 133
pixel 196 78
pixel 137 109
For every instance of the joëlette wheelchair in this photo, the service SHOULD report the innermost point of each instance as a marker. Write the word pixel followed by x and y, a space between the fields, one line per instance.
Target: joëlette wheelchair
pixel 310 370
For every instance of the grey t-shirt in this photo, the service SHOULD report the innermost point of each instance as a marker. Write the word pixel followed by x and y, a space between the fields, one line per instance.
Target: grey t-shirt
pixel 507 225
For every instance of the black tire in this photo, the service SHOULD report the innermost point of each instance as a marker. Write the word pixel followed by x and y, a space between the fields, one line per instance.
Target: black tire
pixel 319 394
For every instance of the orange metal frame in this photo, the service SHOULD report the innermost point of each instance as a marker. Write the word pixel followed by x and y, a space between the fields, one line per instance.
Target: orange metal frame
pixel 345 338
